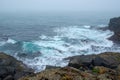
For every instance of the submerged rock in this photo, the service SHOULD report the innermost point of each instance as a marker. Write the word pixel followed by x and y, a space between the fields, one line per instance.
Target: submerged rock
pixel 29 55
pixel 12 69
pixel 114 25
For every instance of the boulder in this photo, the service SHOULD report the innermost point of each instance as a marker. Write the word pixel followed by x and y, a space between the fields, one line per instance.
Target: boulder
pixel 81 62
pixel 107 59
pixel 114 25
pixel 12 69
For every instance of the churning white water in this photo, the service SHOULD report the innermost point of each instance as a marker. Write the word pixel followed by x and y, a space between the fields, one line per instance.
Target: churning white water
pixel 51 50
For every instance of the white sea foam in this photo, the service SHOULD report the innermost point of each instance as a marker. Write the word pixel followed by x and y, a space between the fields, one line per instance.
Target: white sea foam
pixel 54 49
pixel 39 63
pixel 87 26
pixel 69 41
pixel 43 37
pixel 11 41
pixel 94 37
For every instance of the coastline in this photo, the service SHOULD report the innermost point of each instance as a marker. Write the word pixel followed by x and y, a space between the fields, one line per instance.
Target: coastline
pixel 103 66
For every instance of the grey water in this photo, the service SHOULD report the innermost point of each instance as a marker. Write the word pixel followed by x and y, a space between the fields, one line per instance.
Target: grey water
pixel 40 39
pixel 28 26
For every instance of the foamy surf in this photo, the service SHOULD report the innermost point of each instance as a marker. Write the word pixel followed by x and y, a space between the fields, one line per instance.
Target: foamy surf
pixel 51 50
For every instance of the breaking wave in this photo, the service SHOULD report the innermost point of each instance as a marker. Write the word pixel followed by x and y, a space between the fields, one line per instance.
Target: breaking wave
pixel 51 50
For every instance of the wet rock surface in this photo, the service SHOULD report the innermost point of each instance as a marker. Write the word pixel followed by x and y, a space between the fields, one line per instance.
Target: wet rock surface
pixel 12 69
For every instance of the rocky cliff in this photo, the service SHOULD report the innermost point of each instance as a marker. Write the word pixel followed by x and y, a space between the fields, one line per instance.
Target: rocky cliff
pixel 114 25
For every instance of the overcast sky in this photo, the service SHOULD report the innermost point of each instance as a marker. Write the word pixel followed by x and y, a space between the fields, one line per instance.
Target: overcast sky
pixel 59 5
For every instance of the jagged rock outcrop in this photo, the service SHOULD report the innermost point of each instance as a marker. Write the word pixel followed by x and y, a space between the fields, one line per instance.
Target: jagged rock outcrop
pixel 104 66
pixel 12 69
pixel 114 25
pixel 107 59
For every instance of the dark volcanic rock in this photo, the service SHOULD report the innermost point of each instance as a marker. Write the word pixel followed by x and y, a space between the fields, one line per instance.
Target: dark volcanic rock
pixel 114 25
pixel 12 69
pixel 107 59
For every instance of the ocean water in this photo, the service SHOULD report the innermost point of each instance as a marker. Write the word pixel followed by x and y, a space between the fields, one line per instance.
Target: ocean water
pixel 41 40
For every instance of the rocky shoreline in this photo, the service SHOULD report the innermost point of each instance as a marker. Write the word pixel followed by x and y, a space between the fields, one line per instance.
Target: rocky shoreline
pixel 103 66
pixel 12 69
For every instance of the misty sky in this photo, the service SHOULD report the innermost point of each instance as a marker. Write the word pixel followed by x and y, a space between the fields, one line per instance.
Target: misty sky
pixel 59 5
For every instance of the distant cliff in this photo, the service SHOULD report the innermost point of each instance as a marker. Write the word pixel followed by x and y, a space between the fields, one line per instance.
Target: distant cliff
pixel 114 25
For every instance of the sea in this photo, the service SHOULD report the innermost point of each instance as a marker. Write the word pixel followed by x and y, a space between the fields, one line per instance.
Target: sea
pixel 44 39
